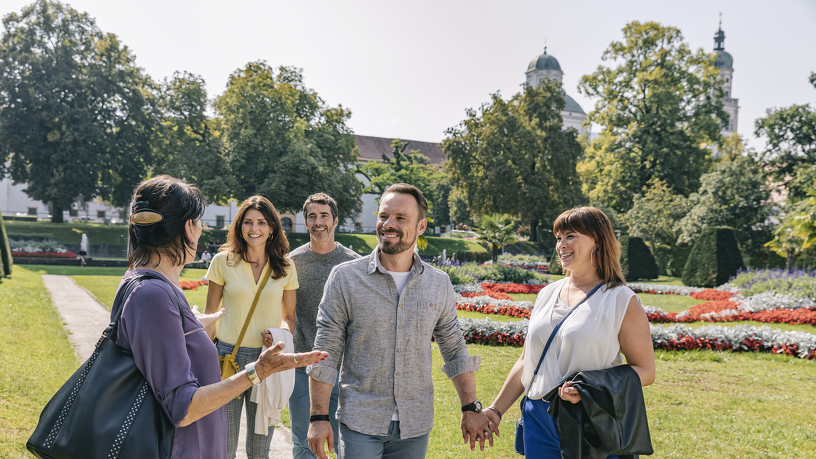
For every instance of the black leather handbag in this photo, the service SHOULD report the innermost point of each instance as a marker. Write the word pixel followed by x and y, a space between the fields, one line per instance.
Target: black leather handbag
pixel 519 443
pixel 106 409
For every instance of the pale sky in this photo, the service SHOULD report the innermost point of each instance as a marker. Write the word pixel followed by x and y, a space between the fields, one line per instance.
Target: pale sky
pixel 410 69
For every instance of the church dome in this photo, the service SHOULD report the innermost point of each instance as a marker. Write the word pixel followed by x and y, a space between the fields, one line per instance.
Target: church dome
pixel 724 60
pixel 572 106
pixel 543 62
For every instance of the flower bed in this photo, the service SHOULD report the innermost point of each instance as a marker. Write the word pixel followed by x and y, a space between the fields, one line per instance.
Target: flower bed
pixel 192 284
pixel 662 289
pixel 512 288
pixel 743 338
pixel 44 254
pixel 800 283
pixel 488 305
pixel 712 295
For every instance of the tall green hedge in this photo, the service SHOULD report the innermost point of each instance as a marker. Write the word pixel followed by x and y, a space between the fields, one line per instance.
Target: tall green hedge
pixel 637 260
pixel 714 258
pixel 555 264
pixel 5 250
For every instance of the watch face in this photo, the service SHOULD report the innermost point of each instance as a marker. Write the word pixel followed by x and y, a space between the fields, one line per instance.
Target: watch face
pixel 478 406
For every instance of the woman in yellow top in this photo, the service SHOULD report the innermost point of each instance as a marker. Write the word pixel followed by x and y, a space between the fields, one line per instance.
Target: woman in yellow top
pixel 255 245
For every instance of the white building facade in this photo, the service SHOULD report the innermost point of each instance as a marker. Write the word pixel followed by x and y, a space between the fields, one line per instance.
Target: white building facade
pixel 546 67
pixel 725 64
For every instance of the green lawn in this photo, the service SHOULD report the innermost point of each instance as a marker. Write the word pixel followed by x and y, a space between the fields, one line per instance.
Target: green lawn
pixel 36 359
pixel 703 405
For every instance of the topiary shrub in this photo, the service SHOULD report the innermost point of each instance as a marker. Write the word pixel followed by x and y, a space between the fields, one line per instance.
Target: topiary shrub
pixel 555 265
pixel 5 250
pixel 714 258
pixel 637 260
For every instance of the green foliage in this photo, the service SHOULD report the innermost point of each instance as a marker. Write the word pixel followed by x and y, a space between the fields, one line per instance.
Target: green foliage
pixel 523 258
pixel 555 264
pixel 734 194
pixel 798 284
pixel 797 231
pixel 655 214
pixel 791 134
pixel 470 273
pixel 714 258
pixel 281 140
pixel 440 208
pixel 496 231
pixel 188 144
pixel 513 156
pixel 636 259
pixel 69 233
pixel 659 108
pixel 459 212
pixel 6 261
pixel 76 113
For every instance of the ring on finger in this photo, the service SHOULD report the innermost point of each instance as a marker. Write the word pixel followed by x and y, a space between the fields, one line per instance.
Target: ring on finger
pixel 295 359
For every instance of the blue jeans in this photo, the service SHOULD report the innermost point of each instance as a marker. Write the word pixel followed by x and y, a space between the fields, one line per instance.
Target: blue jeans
pixel 299 406
pixel 356 445
pixel 541 440
pixel 257 446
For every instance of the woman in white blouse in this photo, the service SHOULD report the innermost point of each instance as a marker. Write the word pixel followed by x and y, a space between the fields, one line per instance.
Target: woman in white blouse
pixel 610 322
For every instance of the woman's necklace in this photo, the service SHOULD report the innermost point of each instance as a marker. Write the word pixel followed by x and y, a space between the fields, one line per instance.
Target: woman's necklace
pixel 164 273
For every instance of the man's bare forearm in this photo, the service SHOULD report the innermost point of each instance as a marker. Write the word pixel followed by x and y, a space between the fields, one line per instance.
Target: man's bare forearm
pixel 319 396
pixel 465 385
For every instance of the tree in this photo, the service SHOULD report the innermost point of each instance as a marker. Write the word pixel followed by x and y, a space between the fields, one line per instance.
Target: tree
pixel 188 144
pixel 734 194
pixel 412 168
pixel 655 214
pixel 441 208
pixel 791 134
pixel 459 212
pixel 660 110
pixel 76 114
pixel 281 141
pixel 496 231
pixel 514 157
pixel 797 231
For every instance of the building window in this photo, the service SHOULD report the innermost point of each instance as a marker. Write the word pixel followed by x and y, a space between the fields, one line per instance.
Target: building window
pixel 286 222
pixel 73 213
pixel 358 227
pixel 726 93
pixel 219 221
pixel 32 211
pixel 100 214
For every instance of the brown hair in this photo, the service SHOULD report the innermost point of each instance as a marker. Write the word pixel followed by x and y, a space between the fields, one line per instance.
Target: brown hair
pixel 277 246
pixel 405 188
pixel 321 198
pixel 177 202
pixel 595 224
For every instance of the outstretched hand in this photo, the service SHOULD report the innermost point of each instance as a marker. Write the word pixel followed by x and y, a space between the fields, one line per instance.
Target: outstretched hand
pixel 477 427
pixel 208 320
pixel 273 361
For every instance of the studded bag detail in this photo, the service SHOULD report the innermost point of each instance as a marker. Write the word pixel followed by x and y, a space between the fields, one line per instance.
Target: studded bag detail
pixel 106 409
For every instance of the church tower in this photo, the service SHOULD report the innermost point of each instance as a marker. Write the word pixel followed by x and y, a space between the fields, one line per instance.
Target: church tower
pixel 725 64
pixel 547 67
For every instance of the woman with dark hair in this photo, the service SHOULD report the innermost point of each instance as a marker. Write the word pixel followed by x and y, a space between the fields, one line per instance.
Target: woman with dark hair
pixel 609 322
pixel 256 247
pixel 168 341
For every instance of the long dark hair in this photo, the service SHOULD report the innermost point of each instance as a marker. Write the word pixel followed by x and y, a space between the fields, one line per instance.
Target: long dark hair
pixel 277 246
pixel 175 200
pixel 592 222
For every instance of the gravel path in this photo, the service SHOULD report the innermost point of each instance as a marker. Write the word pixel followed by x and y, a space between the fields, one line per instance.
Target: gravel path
pixel 85 319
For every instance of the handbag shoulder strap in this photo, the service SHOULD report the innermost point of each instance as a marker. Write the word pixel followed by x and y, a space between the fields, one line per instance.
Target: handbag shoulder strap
pixel 119 304
pixel 251 311
pixel 560 322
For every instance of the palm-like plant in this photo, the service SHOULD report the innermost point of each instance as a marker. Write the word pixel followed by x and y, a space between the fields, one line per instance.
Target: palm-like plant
pixel 496 231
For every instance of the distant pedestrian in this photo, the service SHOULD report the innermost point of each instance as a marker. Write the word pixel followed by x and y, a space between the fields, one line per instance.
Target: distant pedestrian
pixel 206 258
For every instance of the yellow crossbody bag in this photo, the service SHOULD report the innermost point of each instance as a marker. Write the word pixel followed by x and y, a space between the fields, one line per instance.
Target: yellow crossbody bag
pixel 228 364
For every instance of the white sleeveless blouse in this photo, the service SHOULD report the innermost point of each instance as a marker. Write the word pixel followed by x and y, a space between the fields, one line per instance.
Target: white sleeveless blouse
pixel 588 339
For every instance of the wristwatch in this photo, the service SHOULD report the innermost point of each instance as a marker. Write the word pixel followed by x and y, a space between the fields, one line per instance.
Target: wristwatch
pixel 250 371
pixel 475 406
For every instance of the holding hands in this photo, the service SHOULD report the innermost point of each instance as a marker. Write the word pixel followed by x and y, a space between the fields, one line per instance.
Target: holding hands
pixel 478 427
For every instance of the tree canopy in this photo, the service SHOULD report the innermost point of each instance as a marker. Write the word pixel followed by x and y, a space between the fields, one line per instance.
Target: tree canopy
pixel 514 157
pixel 281 141
pixel 660 110
pixel 76 113
pixel 736 194
pixel 655 214
pixel 791 134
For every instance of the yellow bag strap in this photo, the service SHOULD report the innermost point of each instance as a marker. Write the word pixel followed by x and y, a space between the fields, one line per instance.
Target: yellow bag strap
pixel 251 310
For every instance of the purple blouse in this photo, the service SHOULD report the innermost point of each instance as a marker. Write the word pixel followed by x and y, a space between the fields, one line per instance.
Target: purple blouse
pixel 176 361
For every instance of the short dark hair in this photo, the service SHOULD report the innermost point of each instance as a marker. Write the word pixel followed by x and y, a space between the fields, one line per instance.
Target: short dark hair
pixel 321 198
pixel 405 188
pixel 178 202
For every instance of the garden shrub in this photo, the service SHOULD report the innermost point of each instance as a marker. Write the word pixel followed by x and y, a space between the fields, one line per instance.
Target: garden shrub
pixel 637 260
pixel 714 258
pixel 5 250
pixel 501 273
pixel 680 254
pixel 555 265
